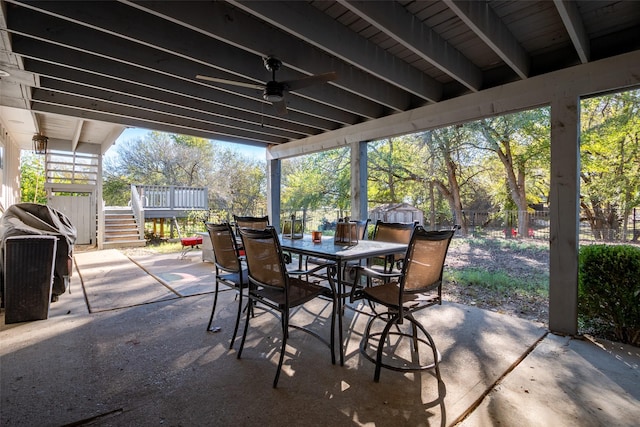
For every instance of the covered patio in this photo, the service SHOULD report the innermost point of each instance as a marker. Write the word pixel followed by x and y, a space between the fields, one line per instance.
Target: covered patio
pixel 128 346
pixel 81 75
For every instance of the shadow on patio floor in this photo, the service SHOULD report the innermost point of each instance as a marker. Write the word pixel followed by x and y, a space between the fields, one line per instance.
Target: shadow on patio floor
pixel 141 356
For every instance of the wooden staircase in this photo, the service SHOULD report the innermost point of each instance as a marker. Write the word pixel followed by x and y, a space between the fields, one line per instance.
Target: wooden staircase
pixel 121 229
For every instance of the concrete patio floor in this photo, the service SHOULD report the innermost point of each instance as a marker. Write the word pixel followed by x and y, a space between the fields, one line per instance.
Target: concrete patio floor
pixel 128 347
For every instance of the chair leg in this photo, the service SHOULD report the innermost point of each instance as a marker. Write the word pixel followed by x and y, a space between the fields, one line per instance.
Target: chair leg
pixel 235 329
pixel 334 310
pixel 246 326
pixel 383 338
pixel 213 310
pixel 436 355
pixel 285 323
pixel 414 335
pixel 367 330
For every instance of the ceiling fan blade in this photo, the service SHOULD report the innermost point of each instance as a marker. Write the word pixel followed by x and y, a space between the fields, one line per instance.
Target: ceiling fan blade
pixel 230 82
pixel 281 107
pixel 309 81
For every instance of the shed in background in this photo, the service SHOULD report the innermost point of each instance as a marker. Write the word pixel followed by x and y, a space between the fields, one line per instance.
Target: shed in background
pixel 396 212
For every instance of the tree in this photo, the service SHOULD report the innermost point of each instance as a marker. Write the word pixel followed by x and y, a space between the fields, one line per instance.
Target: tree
pixel 32 178
pixel 446 144
pixel 520 141
pixel 392 169
pixel 317 180
pixel 164 159
pixel 610 161
pixel 236 184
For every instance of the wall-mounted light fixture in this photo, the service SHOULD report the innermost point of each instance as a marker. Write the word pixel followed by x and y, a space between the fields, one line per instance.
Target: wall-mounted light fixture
pixel 40 143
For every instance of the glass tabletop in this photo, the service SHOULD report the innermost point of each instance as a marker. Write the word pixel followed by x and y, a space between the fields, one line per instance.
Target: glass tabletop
pixel 327 249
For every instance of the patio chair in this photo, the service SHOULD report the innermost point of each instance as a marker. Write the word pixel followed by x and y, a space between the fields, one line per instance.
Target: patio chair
pixel 396 232
pixel 278 289
pixel 255 222
pixel 363 228
pixel 228 268
pixel 416 287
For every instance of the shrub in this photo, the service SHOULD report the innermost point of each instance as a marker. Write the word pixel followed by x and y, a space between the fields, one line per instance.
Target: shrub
pixel 609 288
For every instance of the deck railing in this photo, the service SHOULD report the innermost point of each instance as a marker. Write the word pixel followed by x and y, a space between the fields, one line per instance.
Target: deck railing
pixel 171 197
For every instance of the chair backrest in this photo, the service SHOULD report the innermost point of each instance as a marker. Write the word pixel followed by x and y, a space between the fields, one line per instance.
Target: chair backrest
pixel 264 257
pixel 395 232
pixel 255 222
pixel 424 262
pixel 362 225
pixel 225 250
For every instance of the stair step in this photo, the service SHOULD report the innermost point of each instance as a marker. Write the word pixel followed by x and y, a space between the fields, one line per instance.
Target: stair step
pixel 133 231
pixel 124 244
pixel 121 228
pixel 117 224
pixel 122 238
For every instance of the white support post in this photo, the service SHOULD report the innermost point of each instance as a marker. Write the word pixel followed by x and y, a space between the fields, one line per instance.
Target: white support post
pixel 274 181
pixel 564 207
pixel 359 195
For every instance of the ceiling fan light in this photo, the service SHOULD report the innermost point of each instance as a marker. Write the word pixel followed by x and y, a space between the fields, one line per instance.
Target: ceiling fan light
pixel 273 97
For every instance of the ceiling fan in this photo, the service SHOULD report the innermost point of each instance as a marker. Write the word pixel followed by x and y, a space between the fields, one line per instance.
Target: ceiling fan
pixel 274 91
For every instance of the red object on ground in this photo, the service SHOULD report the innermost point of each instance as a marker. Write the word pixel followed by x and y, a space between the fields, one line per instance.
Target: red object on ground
pixel 191 241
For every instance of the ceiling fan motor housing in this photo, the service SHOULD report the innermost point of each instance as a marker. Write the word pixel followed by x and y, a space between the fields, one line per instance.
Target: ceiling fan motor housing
pixel 272 63
pixel 273 92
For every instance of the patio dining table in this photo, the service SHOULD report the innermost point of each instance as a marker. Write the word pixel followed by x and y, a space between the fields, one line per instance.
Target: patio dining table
pixel 340 254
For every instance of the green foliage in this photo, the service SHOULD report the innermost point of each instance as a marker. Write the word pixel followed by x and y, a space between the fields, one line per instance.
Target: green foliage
pixel 163 159
pixel 236 184
pixel 316 180
pixel 498 164
pixel 610 161
pixel 396 169
pixel 500 282
pixel 116 191
pixel 609 288
pixel 32 178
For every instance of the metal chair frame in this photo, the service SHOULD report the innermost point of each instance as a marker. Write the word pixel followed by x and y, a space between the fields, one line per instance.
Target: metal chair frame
pixel 228 269
pixel 416 287
pixel 397 232
pixel 255 222
pixel 281 290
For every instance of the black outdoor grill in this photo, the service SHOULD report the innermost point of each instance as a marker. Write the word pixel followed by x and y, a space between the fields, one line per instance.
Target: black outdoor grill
pixel 36 248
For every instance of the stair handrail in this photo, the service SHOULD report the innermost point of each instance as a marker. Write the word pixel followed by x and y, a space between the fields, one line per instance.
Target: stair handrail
pixel 137 206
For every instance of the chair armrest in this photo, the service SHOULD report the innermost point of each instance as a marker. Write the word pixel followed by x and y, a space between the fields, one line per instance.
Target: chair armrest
pixel 304 272
pixel 331 291
pixel 366 271
pixel 356 290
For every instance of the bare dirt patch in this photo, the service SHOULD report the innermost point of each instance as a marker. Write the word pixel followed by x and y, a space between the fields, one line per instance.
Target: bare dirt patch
pixel 528 261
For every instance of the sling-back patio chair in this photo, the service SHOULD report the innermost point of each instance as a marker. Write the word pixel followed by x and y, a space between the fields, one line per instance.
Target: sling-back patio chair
pixel 396 232
pixel 255 222
pixel 416 287
pixel 363 228
pixel 228 268
pixel 280 290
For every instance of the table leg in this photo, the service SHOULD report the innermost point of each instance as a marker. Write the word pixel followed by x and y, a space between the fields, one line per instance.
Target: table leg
pixel 339 289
